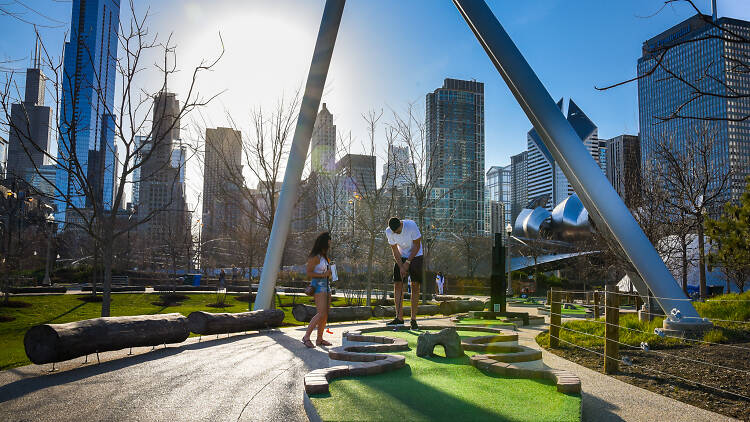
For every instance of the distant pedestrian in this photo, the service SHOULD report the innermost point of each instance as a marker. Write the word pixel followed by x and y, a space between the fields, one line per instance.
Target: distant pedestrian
pixel 319 272
pixel 235 274
pixel 440 281
pixel 222 279
pixel 406 245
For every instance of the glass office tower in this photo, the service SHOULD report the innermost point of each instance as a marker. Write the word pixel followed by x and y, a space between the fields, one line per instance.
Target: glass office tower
pixel 455 155
pixel 705 54
pixel 87 132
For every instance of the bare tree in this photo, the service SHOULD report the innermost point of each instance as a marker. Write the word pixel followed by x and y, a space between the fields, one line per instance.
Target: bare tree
pixel 127 119
pixel 696 181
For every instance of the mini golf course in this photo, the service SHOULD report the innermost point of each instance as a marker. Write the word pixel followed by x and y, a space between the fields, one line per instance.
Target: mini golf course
pixel 486 323
pixel 438 388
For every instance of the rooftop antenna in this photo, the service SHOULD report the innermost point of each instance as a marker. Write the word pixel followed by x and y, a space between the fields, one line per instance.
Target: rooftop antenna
pixel 37 51
pixel 713 10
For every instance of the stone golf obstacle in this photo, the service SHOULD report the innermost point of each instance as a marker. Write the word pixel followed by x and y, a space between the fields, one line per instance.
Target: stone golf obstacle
pixel 501 354
pixel 205 323
pixel 49 343
pixel 447 337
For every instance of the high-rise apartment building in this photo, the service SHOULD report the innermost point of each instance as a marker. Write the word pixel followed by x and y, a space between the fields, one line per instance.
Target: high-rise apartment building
pixel 545 178
pixel 29 131
pixel 498 198
pixel 87 134
pixel 624 167
pixel 222 169
pixel 455 155
pixel 222 199
pixel 323 142
pixel 398 171
pixel 162 177
pixel 705 53
pixel 143 146
pixel 356 179
pixel 518 188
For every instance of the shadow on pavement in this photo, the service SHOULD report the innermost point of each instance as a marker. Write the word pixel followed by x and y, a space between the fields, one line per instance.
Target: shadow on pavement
pixel 26 386
pixel 595 409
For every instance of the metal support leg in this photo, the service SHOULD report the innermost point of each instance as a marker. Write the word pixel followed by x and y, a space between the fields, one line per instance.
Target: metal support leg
pixel 607 209
pixel 316 79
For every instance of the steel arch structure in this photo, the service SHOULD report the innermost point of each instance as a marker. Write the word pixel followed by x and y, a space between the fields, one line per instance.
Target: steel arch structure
pixel 598 196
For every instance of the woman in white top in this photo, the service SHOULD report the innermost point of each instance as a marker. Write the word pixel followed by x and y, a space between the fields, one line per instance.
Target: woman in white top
pixel 440 281
pixel 319 271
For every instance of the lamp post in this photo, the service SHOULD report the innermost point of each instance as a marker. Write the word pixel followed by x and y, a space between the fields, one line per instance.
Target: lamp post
pixel 50 222
pixel 508 230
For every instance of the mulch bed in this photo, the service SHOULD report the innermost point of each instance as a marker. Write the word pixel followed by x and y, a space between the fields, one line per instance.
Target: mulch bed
pixel 219 305
pixel 652 371
pixel 91 299
pixel 4 318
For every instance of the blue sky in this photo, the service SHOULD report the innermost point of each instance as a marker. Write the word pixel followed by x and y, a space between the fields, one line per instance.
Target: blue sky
pixel 392 52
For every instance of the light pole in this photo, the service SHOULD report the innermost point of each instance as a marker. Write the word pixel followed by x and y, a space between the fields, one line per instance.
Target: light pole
pixel 50 223
pixel 508 230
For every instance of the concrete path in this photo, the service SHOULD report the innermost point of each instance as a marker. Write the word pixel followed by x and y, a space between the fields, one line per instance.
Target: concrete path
pixel 254 377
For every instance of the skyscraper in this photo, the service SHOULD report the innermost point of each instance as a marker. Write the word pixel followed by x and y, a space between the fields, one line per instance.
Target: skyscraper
pixel 518 188
pixel 398 170
pixel 323 142
pixel 545 177
pixel 704 54
pixel 356 179
pixel 162 176
pixel 498 198
pixel 455 155
pixel 142 144
pixel 87 137
pixel 222 167
pixel 624 167
pixel 29 132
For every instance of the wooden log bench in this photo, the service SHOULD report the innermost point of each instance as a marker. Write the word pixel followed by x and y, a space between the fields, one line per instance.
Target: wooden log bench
pixel 205 323
pixel 48 343
pixel 304 313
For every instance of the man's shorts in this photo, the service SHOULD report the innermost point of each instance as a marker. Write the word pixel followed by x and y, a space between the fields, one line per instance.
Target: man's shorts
pixel 415 270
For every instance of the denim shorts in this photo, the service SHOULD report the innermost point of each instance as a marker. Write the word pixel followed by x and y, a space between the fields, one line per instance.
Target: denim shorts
pixel 320 285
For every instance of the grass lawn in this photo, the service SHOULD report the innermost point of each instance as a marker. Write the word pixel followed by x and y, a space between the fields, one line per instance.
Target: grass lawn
pixel 57 309
pixel 443 389
pixel 731 307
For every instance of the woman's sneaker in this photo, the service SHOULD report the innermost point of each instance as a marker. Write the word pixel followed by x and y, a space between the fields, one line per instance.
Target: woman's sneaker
pixel 396 321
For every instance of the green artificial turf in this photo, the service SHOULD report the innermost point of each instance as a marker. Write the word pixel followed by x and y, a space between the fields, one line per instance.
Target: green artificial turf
pixel 443 389
pixel 485 322
pixel 57 309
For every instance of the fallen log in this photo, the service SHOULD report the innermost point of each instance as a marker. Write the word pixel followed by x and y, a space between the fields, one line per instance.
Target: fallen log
pixel 304 313
pixel 49 343
pixel 223 323
pixel 390 311
pixel 451 307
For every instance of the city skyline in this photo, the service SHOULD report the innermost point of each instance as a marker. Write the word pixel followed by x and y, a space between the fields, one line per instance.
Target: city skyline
pixel 615 111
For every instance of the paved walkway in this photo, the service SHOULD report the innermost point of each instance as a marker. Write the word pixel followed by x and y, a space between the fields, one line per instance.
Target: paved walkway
pixel 254 377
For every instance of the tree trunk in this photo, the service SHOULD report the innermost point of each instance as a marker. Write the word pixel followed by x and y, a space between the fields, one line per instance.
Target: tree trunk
pixel 222 323
pixel 304 313
pixel 107 289
pixel 58 342
pixel 702 259
pixel 370 253
pixel 684 246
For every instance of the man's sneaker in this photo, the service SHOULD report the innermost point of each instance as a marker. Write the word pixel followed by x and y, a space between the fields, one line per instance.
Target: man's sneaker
pixel 396 321
pixel 414 325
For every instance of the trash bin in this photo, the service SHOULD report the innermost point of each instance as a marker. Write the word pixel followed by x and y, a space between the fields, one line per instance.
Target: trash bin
pixel 195 278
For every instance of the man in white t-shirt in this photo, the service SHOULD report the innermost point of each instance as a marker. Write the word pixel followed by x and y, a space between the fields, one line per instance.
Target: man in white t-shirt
pixel 406 244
